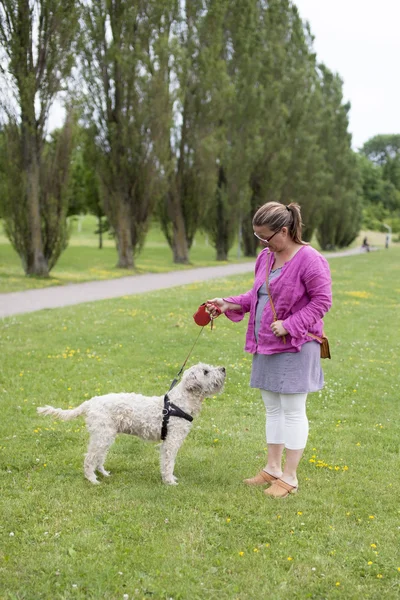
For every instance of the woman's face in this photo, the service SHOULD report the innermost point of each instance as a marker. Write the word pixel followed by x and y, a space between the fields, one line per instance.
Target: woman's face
pixel 274 240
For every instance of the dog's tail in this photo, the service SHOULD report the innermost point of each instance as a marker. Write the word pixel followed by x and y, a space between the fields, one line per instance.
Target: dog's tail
pixel 65 415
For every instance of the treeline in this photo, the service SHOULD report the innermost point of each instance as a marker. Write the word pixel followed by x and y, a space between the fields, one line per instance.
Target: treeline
pixel 194 113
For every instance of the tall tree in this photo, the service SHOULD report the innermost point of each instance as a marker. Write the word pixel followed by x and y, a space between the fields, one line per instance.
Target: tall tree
pixel 38 40
pixel 237 97
pixel 341 202
pixel 382 148
pixel 115 36
pixel 384 152
pixel 184 62
pixel 289 165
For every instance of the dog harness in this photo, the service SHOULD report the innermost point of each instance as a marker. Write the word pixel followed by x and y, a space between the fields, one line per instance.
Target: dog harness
pixel 171 410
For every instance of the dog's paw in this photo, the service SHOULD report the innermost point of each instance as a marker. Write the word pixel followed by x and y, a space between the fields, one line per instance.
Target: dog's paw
pixel 171 481
pixel 93 480
pixel 104 472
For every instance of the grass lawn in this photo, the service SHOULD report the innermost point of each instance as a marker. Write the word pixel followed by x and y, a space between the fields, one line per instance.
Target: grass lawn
pixel 211 537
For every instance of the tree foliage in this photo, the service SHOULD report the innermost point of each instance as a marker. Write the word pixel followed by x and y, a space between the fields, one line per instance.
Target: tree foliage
pixel 115 39
pixel 380 174
pixel 38 39
pixel 341 206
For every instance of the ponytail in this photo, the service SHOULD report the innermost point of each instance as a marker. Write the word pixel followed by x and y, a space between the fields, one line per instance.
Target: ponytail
pixel 276 215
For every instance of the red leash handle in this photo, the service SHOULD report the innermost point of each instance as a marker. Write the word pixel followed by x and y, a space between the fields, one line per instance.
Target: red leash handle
pixel 202 317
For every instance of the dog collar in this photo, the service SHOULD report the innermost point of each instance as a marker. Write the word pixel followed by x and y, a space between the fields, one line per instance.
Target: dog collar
pixel 171 410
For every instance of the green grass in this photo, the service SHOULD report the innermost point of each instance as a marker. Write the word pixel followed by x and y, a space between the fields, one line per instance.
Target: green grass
pixel 211 537
pixel 83 261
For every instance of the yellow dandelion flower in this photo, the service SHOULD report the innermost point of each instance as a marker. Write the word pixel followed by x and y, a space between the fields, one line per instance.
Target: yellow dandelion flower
pixel 348 514
pixel 337 583
pixel 216 440
pixel 289 558
pixel 299 512
pixel 371 517
pixel 255 550
pixel 373 545
pixel 241 553
pixel 398 568
pixel 268 545
pixel 345 468
pixel 370 562
pixel 228 520
pixel 379 576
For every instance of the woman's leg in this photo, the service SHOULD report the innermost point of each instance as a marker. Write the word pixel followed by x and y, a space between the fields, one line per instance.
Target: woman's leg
pixel 295 433
pixel 275 440
pixel 274 429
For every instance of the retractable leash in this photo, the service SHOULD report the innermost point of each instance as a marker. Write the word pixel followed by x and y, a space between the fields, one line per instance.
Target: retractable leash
pixel 201 317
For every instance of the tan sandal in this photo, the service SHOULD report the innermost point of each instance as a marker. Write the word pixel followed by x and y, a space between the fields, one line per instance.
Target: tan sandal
pixel 281 489
pixel 262 478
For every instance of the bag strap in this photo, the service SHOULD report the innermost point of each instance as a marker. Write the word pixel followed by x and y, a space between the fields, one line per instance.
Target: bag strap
pixel 316 337
pixel 270 297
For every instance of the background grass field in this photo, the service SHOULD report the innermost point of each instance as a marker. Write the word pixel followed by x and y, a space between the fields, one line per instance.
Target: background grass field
pixel 83 261
pixel 210 537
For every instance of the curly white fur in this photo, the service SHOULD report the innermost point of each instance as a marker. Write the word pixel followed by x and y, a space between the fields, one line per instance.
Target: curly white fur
pixel 108 415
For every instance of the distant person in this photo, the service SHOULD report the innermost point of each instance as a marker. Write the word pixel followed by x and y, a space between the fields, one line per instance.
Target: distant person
pixel 387 240
pixel 365 244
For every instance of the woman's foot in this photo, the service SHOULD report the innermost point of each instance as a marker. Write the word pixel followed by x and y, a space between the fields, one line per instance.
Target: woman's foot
pixel 281 489
pixel 262 478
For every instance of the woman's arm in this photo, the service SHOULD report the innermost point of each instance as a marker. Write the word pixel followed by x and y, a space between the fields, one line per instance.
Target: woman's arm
pixel 318 285
pixel 216 306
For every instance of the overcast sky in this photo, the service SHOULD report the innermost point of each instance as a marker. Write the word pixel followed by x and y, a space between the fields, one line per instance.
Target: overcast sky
pixel 360 40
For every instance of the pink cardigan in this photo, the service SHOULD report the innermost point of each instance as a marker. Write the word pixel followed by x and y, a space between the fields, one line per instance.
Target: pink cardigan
pixel 301 294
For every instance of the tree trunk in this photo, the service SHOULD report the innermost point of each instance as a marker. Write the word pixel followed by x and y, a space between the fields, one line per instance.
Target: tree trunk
pixel 221 238
pixel 179 244
pixel 36 263
pixel 124 237
pixel 222 254
pixel 100 233
pixel 180 248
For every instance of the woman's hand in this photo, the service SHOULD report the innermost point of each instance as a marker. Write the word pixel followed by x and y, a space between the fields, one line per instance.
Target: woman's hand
pixel 218 306
pixel 278 329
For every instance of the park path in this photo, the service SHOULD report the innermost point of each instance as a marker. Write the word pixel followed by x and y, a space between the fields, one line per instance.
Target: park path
pixel 15 303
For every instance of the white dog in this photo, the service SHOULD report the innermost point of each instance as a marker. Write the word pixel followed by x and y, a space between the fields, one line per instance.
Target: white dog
pixel 148 417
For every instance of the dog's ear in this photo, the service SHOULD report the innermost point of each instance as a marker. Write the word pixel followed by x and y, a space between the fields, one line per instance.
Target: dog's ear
pixel 192 384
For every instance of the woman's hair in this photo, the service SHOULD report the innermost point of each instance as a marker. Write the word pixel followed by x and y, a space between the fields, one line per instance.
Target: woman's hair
pixel 276 216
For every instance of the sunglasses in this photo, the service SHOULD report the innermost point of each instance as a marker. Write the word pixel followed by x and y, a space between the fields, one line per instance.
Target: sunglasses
pixel 265 240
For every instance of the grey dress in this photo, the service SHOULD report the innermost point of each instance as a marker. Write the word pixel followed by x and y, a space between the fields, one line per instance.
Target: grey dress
pixel 286 372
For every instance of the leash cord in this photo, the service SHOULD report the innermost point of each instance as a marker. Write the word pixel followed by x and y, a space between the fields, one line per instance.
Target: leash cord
pixel 175 380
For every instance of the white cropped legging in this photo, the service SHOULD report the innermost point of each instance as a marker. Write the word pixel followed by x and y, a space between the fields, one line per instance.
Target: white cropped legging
pixel 287 421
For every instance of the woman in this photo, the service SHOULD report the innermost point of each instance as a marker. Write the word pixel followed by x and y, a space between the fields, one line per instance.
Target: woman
pixel 286 359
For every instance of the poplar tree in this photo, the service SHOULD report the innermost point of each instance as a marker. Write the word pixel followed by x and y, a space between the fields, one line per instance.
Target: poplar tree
pixel 341 205
pixel 187 146
pixel 115 38
pixel 38 41
pixel 238 97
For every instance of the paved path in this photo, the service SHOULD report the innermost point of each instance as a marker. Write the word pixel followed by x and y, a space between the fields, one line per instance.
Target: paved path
pixel 16 303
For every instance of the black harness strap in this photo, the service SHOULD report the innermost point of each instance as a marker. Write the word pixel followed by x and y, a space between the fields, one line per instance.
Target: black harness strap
pixel 171 410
